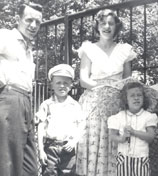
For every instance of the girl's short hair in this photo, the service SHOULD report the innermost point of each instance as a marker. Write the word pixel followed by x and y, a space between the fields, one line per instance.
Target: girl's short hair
pixel 105 13
pixel 130 85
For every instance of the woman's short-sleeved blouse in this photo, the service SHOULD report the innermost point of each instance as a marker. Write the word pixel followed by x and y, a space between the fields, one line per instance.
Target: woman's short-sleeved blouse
pixel 103 65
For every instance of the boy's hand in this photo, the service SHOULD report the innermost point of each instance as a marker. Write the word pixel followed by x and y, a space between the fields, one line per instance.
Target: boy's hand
pixel 69 146
pixel 43 158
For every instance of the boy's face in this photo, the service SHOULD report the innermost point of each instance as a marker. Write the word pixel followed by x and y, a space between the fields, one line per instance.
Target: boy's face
pixel 135 99
pixel 61 86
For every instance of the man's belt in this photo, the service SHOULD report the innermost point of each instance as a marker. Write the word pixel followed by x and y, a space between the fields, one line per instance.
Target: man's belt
pixel 18 89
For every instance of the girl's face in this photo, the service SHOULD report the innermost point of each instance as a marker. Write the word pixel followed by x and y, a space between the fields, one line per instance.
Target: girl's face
pixel 61 86
pixel 135 99
pixel 107 27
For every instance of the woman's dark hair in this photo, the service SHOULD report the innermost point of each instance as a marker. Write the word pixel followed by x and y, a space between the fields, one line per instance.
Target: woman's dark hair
pixel 104 13
pixel 35 6
pixel 132 85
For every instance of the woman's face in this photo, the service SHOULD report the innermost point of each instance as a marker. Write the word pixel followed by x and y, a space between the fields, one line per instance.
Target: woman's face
pixel 107 27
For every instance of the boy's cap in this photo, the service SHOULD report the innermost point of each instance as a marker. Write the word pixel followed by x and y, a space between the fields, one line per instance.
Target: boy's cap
pixel 61 70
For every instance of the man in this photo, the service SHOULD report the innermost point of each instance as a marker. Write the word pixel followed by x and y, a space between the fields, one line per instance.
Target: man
pixel 17 149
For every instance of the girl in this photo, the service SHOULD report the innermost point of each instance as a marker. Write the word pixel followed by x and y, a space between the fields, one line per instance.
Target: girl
pixel 133 130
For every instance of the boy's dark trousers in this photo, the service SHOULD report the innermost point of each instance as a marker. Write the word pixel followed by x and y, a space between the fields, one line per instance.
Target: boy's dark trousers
pixel 59 161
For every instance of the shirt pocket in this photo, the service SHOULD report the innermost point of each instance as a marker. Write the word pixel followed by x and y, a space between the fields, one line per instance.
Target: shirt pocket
pixel 120 159
pixel 145 161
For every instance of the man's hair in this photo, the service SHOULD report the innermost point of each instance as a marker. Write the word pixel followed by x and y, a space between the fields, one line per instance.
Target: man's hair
pixel 35 6
pixel 129 86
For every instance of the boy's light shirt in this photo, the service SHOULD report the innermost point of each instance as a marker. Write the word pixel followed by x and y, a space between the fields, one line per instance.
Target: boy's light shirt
pixel 62 120
pixel 139 121
pixel 16 60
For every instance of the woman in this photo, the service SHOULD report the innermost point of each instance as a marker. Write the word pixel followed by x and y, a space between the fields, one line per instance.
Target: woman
pixel 103 65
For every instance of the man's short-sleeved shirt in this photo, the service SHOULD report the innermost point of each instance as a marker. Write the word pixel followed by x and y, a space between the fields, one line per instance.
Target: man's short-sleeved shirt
pixel 16 61
pixel 62 119
pixel 139 121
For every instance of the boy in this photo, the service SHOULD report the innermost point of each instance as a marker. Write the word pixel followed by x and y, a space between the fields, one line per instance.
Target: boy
pixel 59 116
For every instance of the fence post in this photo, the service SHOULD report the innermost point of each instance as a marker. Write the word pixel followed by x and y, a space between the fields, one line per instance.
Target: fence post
pixel 68 40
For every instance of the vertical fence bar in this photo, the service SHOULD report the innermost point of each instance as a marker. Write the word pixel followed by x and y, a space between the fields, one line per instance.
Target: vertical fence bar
pixel 35 97
pixel 118 14
pixel 70 41
pixel 81 31
pixel 43 92
pixel 46 58
pixel 39 94
pixel 131 27
pixel 37 61
pixel 145 44
pixel 93 29
pixel 55 44
pixel 46 51
pixel 66 59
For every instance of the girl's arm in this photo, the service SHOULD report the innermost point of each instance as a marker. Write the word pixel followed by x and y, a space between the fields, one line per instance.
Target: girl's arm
pixel 116 137
pixel 85 70
pixel 147 136
pixel 127 71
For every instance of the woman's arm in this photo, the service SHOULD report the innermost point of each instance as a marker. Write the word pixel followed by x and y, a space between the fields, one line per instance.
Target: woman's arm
pixel 127 70
pixel 85 70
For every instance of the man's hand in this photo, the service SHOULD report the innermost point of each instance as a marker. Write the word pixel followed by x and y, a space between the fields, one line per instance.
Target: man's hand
pixel 43 158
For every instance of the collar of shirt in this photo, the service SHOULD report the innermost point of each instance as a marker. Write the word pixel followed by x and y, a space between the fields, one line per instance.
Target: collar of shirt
pixel 136 114
pixel 20 38
pixel 53 99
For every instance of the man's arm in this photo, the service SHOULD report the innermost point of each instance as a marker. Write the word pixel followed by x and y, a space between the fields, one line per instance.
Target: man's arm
pixel 41 132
